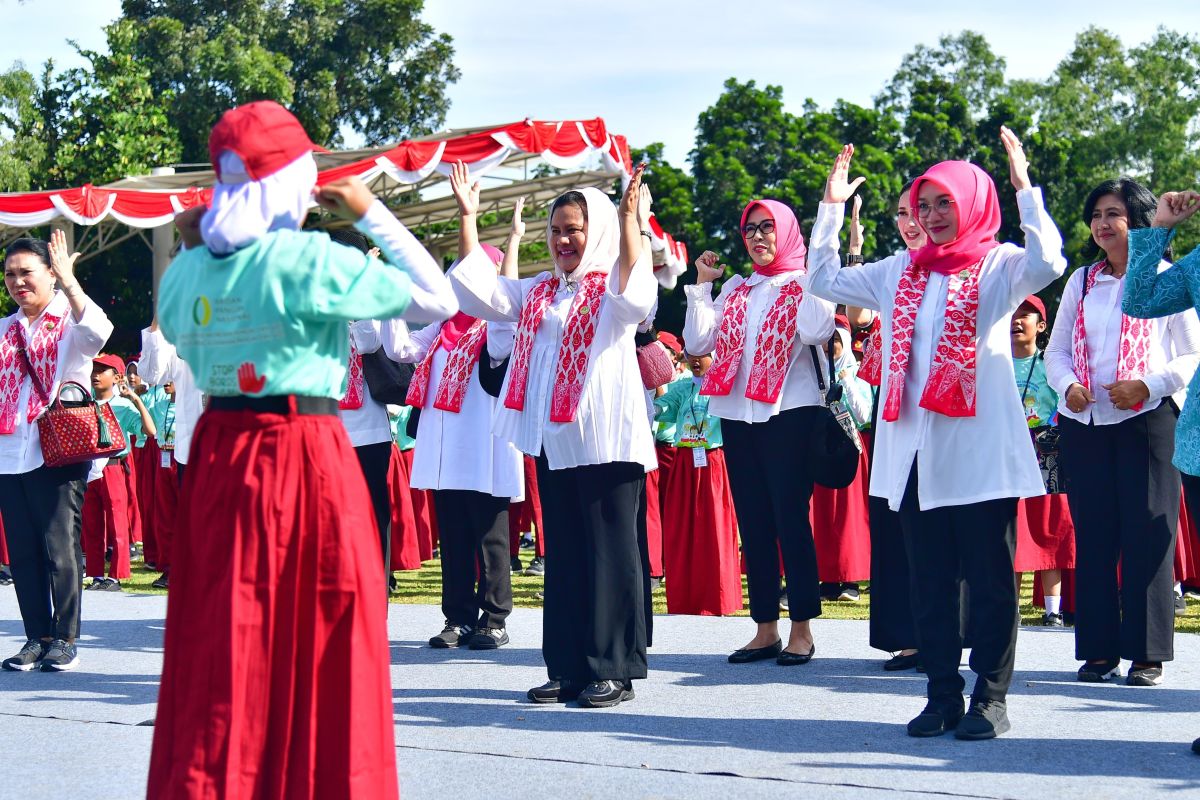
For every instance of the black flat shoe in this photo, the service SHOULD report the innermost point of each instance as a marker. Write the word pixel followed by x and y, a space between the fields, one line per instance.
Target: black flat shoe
pixel 1196 746
pixel 553 692
pixel 788 659
pixel 745 656
pixel 938 717
pixel 899 663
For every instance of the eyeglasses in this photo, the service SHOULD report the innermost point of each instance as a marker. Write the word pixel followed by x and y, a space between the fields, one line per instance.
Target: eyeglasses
pixel 942 207
pixel 766 227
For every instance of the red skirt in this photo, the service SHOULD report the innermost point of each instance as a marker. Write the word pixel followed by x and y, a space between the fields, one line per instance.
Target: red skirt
pixel 406 553
pixel 700 541
pixel 166 510
pixel 1067 592
pixel 275 672
pixel 1045 534
pixel 527 514
pixel 146 460
pixel 654 523
pixel 842 529
pixel 3 545
pixel 422 500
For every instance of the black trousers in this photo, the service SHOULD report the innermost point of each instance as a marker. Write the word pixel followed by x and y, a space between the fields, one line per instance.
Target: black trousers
pixel 473 534
pixel 771 487
pixel 594 625
pixel 1124 498
pixel 375 460
pixel 42 512
pixel 975 541
pixel 643 540
pixel 892 625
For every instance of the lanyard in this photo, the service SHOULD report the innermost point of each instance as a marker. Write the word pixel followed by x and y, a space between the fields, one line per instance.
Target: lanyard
pixel 1029 377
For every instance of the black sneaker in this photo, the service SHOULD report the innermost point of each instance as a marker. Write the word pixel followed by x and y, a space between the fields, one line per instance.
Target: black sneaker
pixel 526 542
pixel 1052 620
pixel 111 585
pixel 5 575
pixel 536 567
pixel 1144 675
pixel 487 638
pixel 451 636
pixel 554 692
pixel 515 565
pixel 60 657
pixel 1180 605
pixel 96 585
pixel 27 659
pixel 829 591
pixel 160 582
pixel 938 717
pixel 986 719
pixel 849 593
pixel 1099 672
pixel 604 694
pixel 1196 746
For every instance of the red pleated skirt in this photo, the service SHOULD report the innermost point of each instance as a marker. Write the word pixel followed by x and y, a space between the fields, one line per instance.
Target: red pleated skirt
pixel 654 523
pixel 426 519
pixel 146 461
pixel 406 553
pixel 166 510
pixel 3 545
pixel 842 529
pixel 1187 548
pixel 700 541
pixel 1045 534
pixel 527 514
pixel 275 674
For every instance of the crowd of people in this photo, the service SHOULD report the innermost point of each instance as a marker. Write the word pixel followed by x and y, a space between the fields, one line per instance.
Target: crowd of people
pixel 310 413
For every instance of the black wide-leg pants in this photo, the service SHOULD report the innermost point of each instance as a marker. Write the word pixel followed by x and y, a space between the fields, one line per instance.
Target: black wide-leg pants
pixel 772 489
pixel 473 533
pixel 1124 498
pixel 594 625
pixel 375 459
pixel 975 541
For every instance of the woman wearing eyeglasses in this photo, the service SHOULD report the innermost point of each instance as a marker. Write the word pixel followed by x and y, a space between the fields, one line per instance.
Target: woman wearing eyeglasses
pixel 763 387
pixel 952 449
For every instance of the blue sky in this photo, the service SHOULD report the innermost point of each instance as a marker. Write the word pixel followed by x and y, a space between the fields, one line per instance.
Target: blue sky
pixel 649 68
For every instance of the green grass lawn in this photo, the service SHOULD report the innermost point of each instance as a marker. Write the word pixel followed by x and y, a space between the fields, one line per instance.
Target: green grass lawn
pixel 424 587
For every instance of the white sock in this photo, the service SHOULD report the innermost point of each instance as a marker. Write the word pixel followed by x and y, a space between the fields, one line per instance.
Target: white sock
pixel 1053 603
pixel 1178 589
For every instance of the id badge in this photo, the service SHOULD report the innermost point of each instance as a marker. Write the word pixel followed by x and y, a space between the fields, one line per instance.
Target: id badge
pixel 164 459
pixel 699 457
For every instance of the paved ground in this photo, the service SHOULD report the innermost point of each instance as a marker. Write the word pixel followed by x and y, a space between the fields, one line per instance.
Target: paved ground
pixel 698 728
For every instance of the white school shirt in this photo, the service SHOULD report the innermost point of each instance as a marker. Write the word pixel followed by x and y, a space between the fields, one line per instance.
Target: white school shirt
pixel 368 424
pixel 610 423
pixel 960 460
pixel 814 325
pixel 160 364
pixel 459 451
pixel 1174 349
pixel 21 450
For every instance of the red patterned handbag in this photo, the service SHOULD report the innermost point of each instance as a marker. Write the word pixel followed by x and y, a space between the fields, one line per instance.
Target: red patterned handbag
pixel 74 431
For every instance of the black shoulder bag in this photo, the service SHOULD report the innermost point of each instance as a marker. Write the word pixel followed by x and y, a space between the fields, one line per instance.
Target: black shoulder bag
pixel 834 445
pixel 387 380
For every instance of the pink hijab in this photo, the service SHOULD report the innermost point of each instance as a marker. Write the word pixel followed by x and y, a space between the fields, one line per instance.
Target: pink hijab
pixel 454 328
pixel 789 242
pixel 974 196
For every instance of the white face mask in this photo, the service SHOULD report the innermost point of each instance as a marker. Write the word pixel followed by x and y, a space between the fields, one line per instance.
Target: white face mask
pixel 244 212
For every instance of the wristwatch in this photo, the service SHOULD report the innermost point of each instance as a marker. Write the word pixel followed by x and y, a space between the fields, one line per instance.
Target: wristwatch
pixel 853 259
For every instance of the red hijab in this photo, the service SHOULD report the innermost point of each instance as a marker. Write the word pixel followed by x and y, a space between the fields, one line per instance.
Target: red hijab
pixel 454 328
pixel 789 242
pixel 974 196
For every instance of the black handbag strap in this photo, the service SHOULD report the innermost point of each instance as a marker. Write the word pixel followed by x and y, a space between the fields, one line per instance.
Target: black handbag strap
pixel 826 390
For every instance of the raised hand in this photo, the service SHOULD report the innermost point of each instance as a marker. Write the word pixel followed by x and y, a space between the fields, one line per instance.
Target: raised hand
pixel 1018 164
pixel 631 200
pixel 188 224
pixel 1175 207
pixel 465 192
pixel 855 243
pixel 518 222
pixel 839 187
pixel 348 198
pixel 62 263
pixel 708 267
pixel 645 202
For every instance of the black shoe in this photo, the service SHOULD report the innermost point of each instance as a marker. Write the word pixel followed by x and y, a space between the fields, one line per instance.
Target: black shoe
pixel 150 565
pixel 829 591
pixel 1052 620
pixel 1196 746
pixel 900 662
pixel 1180 605
pixel 451 636
pixel 655 583
pixel 789 659
pixel 745 656
pixel 27 659
pixel 526 542
pixel 1100 672
pixel 96 585
pixel 849 593
pixel 938 717
pixel 605 694
pixel 536 567
pixel 554 692
pixel 515 565
pixel 161 582
pixel 393 584
pixel 60 657
pixel 986 719
pixel 111 585
pixel 487 638
pixel 5 576
pixel 1146 674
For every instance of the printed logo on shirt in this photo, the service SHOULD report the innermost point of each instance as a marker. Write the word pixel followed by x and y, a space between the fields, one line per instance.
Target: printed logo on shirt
pixel 202 311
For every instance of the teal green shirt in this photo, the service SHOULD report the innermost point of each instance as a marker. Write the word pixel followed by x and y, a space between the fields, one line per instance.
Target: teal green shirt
pixel 128 417
pixel 400 428
pixel 163 414
pixel 152 396
pixel 270 318
pixel 687 410
pixel 1040 401
pixel 664 429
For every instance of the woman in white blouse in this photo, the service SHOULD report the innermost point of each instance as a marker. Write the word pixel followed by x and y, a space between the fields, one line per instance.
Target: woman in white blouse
pixel 573 399
pixel 952 450
pixel 57 331
pixel 1115 376
pixel 763 387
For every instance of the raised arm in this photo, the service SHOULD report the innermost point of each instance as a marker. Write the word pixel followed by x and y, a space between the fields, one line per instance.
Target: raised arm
pixel 858 316
pixel 508 268
pixel 631 231
pixel 1148 292
pixel 1042 262
pixel 700 324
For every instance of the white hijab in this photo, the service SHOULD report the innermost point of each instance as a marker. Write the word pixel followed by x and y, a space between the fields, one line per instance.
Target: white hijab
pixel 603 245
pixel 244 211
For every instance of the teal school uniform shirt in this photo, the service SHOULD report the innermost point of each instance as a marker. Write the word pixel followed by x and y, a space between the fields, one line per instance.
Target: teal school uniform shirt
pixel 1040 401
pixel 163 415
pixel 664 429
pixel 153 396
pixel 687 410
pixel 400 428
pixel 270 318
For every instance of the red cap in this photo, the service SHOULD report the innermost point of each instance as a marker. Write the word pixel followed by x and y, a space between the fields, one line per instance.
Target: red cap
pixel 1034 302
pixel 111 360
pixel 841 321
pixel 264 135
pixel 671 341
